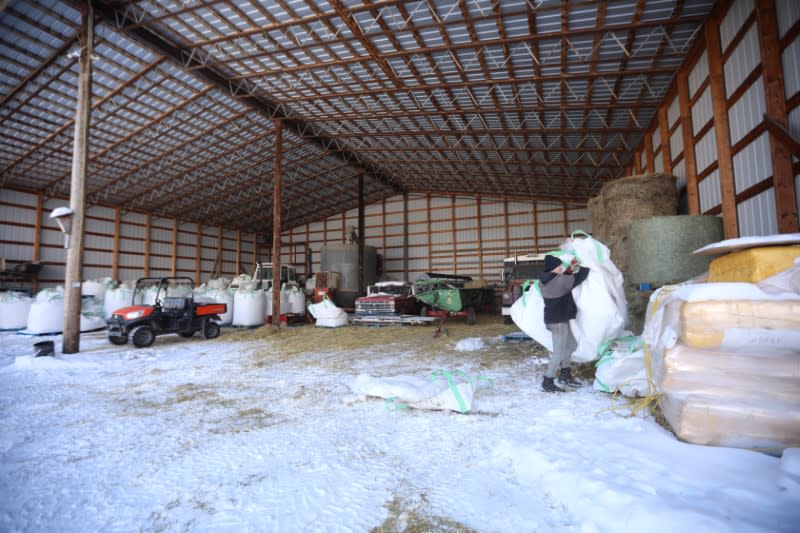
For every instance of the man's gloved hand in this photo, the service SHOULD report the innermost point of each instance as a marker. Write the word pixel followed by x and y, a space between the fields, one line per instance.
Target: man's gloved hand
pixel 574 266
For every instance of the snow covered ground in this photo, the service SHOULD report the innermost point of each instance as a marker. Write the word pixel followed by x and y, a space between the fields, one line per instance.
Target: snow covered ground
pixel 259 431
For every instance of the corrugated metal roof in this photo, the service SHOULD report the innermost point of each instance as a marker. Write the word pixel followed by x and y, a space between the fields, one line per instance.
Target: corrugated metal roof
pixel 523 98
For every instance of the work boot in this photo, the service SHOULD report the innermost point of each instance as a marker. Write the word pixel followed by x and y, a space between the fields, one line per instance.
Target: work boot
pixel 548 385
pixel 565 378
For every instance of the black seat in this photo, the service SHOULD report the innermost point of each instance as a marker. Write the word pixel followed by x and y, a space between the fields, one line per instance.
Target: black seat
pixel 174 304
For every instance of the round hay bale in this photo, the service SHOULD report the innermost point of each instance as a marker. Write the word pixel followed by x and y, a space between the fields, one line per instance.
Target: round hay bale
pixel 659 249
pixel 597 218
pixel 638 197
pixel 629 199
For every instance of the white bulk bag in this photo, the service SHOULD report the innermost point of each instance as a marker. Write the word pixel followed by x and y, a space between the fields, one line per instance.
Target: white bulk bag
pixel 117 298
pixel 297 301
pixel 249 308
pixel 95 287
pixel 46 314
pixel 528 314
pixel 284 302
pixel 442 392
pixel 622 369
pixel 226 297
pixel 602 308
pixel 14 309
pixel 327 315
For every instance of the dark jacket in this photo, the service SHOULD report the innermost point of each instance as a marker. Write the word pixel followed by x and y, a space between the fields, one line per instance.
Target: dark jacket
pixel 559 305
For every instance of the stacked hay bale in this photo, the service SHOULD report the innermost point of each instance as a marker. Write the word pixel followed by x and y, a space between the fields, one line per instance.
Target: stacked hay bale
pixel 620 203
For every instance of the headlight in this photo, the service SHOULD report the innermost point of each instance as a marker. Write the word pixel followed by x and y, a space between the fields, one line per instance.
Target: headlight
pixel 133 314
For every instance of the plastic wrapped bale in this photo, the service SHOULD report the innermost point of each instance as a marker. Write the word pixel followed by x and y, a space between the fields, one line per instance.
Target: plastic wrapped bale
pixel 659 249
pixel 249 308
pixel 117 298
pixel 726 359
pixel 14 309
pixel 46 313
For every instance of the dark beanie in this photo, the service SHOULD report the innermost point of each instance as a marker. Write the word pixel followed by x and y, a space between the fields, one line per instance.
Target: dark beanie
pixel 551 262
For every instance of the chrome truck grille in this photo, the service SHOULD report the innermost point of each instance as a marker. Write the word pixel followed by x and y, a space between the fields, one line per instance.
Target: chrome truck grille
pixel 375 307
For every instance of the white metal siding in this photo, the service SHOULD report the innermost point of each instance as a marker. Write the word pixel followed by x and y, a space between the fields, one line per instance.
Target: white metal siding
pixel 794 122
pixel 673 112
pixel 702 111
pixel 709 193
pixel 656 140
pixel 698 74
pixel 788 14
pixel 733 21
pixel 747 112
pixel 753 164
pixel 658 163
pixel 744 59
pixel 679 171
pixel 21 198
pixel 705 151
pixel 791 67
pixel 676 142
pixel 491 208
pixel 757 215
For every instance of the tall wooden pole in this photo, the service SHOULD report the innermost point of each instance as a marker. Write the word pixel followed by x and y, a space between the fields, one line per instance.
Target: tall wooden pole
pixel 405 236
pixel 782 172
pixel 276 226
pixel 77 192
pixel 361 288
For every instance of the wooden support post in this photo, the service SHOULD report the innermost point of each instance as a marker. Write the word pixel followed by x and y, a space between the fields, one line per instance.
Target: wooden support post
pixel 782 172
pixel 37 239
pixel 637 162
pixel 453 233
pixel 361 287
pixel 566 217
pixel 689 166
pixel 405 236
pixel 505 228
pixel 115 244
pixel 218 271
pixel 430 229
pixel 719 102
pixel 650 164
pixel 276 225
pixel 480 237
pixel 534 208
pixel 238 267
pixel 255 247
pixel 663 128
pixel 198 253
pixel 173 264
pixel 77 193
pixel 148 229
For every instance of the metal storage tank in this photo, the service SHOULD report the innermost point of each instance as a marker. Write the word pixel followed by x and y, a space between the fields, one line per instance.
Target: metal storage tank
pixel 343 258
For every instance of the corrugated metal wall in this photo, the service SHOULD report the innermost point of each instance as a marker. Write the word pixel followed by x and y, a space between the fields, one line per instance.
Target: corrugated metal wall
pixel 468 236
pixel 746 179
pixel 140 252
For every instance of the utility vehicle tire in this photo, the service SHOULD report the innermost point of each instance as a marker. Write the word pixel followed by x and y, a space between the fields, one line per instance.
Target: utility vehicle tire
pixel 507 320
pixel 470 315
pixel 423 311
pixel 118 341
pixel 210 330
pixel 186 334
pixel 142 336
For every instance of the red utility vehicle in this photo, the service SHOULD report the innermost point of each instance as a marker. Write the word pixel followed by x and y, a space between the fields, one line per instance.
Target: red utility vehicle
pixel 161 306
